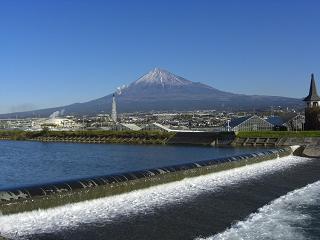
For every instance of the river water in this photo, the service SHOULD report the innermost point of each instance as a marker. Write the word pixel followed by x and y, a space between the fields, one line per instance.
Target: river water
pixel 27 163
pixel 276 199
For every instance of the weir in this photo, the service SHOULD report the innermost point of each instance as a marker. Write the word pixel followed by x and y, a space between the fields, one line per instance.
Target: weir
pixel 54 194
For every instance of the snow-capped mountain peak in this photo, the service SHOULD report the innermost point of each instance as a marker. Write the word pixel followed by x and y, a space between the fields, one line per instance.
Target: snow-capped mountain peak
pixel 162 77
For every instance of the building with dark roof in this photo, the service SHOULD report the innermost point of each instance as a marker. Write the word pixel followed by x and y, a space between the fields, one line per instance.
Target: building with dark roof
pixel 248 123
pixel 289 121
pixel 312 110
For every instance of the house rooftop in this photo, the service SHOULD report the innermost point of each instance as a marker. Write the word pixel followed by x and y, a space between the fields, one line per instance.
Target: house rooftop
pixel 237 121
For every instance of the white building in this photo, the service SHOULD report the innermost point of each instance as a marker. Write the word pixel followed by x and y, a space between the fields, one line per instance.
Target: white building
pixel 156 127
pixel 59 124
pixel 125 127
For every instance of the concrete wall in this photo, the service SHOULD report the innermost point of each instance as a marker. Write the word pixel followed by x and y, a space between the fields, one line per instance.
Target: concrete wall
pixel 202 138
pixel 311 151
pixel 55 194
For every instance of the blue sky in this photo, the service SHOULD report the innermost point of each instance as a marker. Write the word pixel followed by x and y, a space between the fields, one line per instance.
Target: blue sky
pixel 60 52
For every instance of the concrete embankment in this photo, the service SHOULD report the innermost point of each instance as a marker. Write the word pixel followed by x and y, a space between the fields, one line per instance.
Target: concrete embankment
pixel 55 194
pixel 92 136
pixel 311 151
pixel 131 137
pixel 202 138
pixel 310 146
pixel 281 141
pixel 192 138
pixel 107 139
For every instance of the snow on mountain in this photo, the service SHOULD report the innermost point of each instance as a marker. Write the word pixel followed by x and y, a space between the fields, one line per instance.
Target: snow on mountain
pixel 161 77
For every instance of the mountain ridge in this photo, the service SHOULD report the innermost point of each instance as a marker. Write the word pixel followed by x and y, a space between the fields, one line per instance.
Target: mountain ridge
pixel 161 90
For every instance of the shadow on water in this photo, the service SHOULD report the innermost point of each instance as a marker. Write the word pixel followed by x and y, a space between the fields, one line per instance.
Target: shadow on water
pixel 204 215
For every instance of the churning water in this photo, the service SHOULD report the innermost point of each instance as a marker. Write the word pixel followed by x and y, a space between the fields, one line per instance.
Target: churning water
pixel 295 215
pixel 240 200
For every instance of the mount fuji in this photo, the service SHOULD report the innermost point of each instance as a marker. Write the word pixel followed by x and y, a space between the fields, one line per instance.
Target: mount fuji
pixel 160 90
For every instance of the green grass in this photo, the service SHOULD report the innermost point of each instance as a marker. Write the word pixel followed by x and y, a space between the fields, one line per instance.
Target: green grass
pixel 279 134
pixel 142 137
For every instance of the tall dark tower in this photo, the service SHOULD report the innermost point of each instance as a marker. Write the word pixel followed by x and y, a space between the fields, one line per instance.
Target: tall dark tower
pixel 312 110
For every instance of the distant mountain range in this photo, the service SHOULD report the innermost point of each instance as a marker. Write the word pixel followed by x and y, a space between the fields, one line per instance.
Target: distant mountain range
pixel 160 90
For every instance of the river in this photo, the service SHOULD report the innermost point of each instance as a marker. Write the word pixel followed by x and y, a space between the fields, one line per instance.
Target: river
pixel 276 199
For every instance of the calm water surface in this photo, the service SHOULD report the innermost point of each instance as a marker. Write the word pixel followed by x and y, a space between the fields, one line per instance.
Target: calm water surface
pixel 25 163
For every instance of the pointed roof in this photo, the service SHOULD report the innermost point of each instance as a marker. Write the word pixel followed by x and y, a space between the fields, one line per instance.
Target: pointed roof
pixel 313 95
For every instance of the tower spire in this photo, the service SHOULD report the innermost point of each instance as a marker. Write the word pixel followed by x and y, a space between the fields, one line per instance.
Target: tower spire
pixel 313 95
pixel 312 110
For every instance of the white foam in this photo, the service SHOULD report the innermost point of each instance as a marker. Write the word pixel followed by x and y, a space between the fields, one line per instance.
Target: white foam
pixel 282 219
pixel 137 202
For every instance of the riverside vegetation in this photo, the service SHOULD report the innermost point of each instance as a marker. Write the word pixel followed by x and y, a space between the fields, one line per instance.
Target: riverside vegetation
pixel 279 134
pixel 92 136
pixel 133 137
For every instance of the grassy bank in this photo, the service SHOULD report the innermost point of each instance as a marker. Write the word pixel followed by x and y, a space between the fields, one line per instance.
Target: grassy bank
pixel 144 137
pixel 278 134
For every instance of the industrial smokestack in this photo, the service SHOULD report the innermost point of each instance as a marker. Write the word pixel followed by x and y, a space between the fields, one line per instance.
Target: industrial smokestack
pixel 114 109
